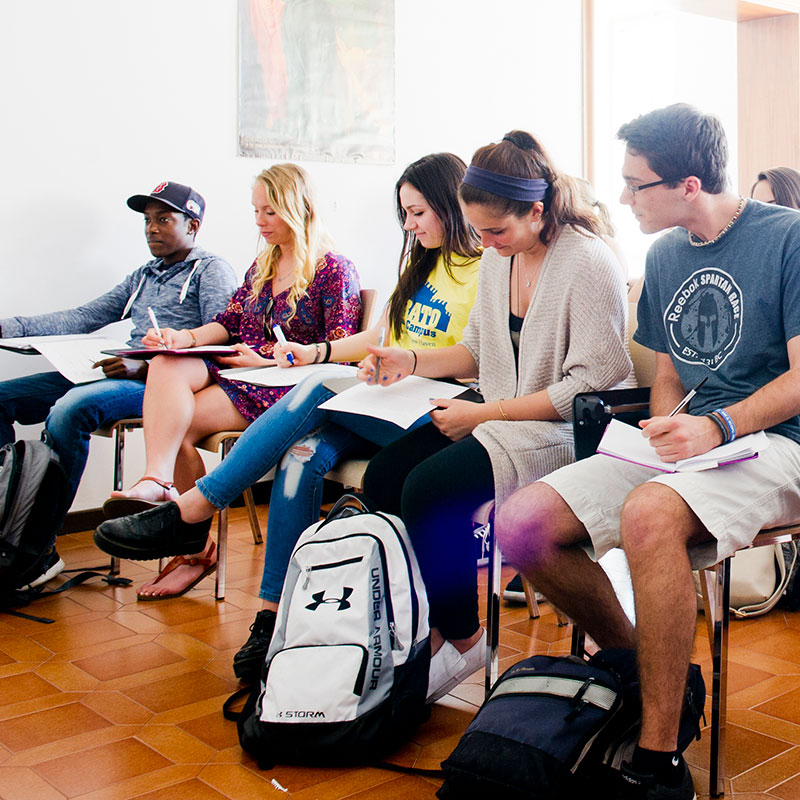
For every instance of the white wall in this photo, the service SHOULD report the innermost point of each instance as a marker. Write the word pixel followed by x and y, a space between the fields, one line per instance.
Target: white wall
pixel 105 99
pixel 649 54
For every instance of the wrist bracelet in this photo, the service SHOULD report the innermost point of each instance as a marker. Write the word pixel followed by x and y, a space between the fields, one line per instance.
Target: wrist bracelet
pixel 506 418
pixel 194 338
pixel 729 424
pixel 720 424
pixel 414 368
pixel 327 352
pixel 316 357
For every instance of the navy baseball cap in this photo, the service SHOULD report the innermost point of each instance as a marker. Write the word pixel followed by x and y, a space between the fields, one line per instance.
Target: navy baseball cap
pixel 175 195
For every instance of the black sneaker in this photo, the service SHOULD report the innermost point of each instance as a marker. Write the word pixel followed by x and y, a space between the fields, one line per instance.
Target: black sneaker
pixel 643 787
pixel 52 566
pixel 514 593
pixel 248 661
pixel 156 533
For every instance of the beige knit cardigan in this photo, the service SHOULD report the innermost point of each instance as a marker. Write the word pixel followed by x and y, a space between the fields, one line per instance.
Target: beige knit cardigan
pixel 573 339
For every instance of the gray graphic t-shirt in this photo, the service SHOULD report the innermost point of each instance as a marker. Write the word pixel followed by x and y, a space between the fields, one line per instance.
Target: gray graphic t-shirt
pixel 726 311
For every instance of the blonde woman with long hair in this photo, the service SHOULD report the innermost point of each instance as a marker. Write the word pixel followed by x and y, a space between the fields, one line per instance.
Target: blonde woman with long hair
pixel 295 282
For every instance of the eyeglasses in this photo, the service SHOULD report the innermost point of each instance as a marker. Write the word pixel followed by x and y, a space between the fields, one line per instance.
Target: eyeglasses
pixel 634 189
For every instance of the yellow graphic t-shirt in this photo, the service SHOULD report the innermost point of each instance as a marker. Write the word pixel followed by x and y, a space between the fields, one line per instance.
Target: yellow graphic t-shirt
pixel 438 312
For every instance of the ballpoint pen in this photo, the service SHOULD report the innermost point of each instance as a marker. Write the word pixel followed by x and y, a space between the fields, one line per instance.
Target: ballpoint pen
pixel 683 403
pixel 381 340
pixel 156 327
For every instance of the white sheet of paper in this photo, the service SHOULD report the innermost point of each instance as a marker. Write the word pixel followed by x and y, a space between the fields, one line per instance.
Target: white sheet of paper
pixel 403 402
pixel 288 376
pixel 74 357
pixel 31 343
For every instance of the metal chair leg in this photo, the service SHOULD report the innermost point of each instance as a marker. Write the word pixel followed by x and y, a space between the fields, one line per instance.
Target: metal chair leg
pixel 222 553
pixel 251 511
pixel 719 695
pixel 486 532
pixel 119 465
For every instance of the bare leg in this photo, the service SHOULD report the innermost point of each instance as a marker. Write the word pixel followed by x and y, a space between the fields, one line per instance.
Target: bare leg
pixel 657 527
pixel 194 506
pixel 540 536
pixel 213 412
pixel 168 410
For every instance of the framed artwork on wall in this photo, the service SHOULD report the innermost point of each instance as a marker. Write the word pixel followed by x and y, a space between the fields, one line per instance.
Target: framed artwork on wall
pixel 316 80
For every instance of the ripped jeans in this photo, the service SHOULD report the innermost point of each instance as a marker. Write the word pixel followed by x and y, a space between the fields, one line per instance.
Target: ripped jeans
pixel 314 440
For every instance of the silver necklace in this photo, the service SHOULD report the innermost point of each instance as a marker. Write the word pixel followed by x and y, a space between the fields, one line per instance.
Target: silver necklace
pixel 698 243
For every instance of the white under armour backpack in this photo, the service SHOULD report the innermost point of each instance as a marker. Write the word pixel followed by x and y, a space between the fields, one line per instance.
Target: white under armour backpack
pixel 347 669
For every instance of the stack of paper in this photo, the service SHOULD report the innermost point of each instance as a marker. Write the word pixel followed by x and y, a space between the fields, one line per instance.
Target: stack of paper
pixel 72 355
pixel 285 376
pixel 403 402
pixel 628 443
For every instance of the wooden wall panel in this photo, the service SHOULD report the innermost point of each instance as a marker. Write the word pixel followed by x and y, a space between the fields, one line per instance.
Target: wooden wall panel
pixel 769 96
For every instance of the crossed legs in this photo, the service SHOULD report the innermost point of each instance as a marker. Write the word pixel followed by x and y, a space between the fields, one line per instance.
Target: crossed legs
pixel 182 405
pixel 541 536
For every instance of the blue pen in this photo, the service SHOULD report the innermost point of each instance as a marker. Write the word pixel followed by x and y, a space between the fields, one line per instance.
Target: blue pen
pixel 282 339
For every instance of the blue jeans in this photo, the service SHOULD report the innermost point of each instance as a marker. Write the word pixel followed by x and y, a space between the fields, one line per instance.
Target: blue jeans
pixel 83 409
pixel 27 400
pixel 297 491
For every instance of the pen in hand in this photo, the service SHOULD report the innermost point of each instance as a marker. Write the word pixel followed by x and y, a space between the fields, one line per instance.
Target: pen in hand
pixel 156 327
pixel 282 339
pixel 381 340
pixel 683 403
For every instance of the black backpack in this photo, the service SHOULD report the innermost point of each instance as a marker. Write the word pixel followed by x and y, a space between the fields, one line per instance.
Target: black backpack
pixel 556 728
pixel 33 504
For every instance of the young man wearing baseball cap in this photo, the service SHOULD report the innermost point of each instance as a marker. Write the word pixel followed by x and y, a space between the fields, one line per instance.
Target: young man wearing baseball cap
pixel 185 286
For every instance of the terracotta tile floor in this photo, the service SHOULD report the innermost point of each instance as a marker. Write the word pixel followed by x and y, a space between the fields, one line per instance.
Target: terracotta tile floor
pixel 119 699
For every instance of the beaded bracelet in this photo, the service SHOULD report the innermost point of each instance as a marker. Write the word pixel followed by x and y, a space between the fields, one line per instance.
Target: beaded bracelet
pixel 414 368
pixel 720 424
pixel 729 424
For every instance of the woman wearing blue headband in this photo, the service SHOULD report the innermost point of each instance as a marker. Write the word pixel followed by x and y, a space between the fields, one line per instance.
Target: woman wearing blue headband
pixel 549 322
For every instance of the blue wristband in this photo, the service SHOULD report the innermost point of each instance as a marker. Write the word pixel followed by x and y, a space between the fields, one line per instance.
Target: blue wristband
pixel 726 418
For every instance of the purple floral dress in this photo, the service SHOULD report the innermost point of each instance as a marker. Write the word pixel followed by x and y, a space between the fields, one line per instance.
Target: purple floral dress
pixel 330 309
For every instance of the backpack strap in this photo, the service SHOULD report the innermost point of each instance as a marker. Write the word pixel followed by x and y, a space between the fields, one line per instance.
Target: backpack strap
pixel 23 598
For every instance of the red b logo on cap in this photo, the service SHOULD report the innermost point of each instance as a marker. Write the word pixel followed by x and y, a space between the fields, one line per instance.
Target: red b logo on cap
pixel 160 187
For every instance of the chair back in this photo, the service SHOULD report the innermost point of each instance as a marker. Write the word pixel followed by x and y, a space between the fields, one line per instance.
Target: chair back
pixel 368 299
pixel 644 360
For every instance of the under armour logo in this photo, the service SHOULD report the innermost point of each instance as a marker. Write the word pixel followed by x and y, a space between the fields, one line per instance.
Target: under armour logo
pixel 319 599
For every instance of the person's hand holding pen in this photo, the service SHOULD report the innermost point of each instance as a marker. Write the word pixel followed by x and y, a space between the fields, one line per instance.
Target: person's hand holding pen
pixel 677 436
pixel 156 327
pixel 394 364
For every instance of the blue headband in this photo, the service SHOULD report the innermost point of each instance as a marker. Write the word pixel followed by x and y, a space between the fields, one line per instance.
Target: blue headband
pixel 526 189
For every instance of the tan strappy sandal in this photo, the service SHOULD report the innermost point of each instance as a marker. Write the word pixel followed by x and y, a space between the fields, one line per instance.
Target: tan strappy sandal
pixel 208 562
pixel 118 505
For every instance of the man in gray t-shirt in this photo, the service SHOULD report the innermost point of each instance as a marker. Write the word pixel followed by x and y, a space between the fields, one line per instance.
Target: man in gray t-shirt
pixel 185 286
pixel 720 303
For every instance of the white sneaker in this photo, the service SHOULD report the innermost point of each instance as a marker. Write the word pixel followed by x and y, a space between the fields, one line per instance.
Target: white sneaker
pixel 449 667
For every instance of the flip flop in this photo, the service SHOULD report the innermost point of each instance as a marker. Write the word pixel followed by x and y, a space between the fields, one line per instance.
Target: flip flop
pixel 179 561
pixel 123 506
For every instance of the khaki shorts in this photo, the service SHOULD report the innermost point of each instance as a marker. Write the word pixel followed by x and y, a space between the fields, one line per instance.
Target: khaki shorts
pixel 734 502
